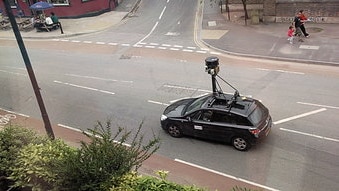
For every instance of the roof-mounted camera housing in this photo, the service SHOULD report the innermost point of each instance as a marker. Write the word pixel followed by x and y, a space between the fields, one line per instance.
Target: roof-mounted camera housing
pixel 212 65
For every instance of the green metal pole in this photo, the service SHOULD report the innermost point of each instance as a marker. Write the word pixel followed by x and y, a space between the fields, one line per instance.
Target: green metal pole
pixel 30 71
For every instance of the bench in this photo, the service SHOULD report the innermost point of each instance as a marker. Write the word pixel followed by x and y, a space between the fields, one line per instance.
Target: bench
pixel 48 28
pixel 5 25
pixel 27 27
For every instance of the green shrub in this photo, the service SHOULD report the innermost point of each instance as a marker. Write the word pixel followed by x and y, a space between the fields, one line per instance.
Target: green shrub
pixel 237 188
pixel 99 164
pixel 37 165
pixel 135 182
pixel 12 140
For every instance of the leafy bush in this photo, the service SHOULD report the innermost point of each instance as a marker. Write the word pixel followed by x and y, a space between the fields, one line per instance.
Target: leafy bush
pixel 37 165
pixel 237 188
pixel 135 182
pixel 12 140
pixel 101 163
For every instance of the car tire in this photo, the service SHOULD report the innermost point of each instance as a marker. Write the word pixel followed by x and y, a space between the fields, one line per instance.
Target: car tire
pixel 240 143
pixel 174 130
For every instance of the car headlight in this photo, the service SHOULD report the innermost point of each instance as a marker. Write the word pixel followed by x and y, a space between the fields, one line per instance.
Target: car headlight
pixel 163 117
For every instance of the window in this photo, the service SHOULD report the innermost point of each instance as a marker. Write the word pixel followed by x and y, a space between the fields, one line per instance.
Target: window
pixel 256 116
pixel 59 2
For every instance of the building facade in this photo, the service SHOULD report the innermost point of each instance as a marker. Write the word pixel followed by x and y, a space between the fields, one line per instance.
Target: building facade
pixel 63 8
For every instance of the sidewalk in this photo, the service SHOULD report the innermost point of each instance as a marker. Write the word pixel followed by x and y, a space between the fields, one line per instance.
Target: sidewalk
pixel 269 40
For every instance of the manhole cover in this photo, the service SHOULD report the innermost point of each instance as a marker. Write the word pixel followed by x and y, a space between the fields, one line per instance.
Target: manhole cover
pixel 313 29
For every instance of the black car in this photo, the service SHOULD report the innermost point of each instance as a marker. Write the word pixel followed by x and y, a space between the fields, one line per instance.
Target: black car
pixel 235 119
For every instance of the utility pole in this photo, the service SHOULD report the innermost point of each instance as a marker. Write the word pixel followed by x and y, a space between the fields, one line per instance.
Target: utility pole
pixel 30 71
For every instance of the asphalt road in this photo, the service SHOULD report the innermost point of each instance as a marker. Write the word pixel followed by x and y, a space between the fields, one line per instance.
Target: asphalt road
pixel 124 74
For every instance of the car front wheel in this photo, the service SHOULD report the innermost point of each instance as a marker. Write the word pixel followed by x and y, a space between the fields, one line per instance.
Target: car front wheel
pixel 174 130
pixel 240 143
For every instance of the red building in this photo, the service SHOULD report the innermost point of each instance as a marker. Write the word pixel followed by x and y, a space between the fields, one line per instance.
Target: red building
pixel 62 8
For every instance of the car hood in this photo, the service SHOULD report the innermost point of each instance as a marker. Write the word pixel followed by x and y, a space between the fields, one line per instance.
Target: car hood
pixel 176 108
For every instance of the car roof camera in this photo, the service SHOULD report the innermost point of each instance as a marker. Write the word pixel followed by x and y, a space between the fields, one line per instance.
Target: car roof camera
pixel 212 68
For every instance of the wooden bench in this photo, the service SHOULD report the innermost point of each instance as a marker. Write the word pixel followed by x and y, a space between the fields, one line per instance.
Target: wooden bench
pixel 5 25
pixel 48 28
pixel 28 27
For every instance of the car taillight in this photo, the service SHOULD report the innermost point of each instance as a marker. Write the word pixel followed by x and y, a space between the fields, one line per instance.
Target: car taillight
pixel 255 131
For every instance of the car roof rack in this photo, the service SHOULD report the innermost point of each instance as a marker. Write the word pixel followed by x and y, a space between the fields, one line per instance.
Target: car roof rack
pixel 212 67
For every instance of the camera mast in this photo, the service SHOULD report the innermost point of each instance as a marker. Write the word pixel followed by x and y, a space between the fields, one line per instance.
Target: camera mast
pixel 212 68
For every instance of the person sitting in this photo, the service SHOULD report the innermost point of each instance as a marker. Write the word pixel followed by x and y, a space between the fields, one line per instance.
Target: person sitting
pixel 54 18
pixel 48 21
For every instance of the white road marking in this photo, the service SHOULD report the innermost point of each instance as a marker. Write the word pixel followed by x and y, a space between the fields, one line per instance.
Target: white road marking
pixel 162 48
pixel 309 47
pixel 318 105
pixel 176 49
pixel 13 73
pixel 282 71
pixel 186 88
pixel 216 53
pixel 23 115
pixel 15 68
pixel 299 116
pixel 200 51
pixel 155 26
pixel 154 44
pixel 84 87
pixel 191 47
pixel 187 50
pixel 310 135
pixel 76 41
pixel 100 43
pixel 88 42
pixel 86 132
pixel 162 12
pixel 64 40
pixel 125 45
pixel 97 78
pixel 177 46
pixel 156 102
pixel 149 46
pixel 113 43
pixel 225 175
pixel 167 45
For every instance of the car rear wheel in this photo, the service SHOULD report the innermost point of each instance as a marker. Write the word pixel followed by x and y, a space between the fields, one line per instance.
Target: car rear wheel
pixel 240 143
pixel 174 130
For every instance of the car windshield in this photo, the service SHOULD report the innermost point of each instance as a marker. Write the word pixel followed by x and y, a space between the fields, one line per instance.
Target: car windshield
pixel 197 103
pixel 256 116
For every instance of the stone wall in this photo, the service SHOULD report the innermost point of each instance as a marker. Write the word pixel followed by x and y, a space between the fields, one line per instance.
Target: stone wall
pixel 319 11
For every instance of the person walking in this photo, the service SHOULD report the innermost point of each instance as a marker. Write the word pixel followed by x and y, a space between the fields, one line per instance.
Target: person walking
pixel 290 34
pixel 303 19
pixel 297 24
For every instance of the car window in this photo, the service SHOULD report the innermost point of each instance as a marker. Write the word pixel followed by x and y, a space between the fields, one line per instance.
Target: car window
pixel 206 115
pixel 230 118
pixel 222 117
pixel 196 104
pixel 240 120
pixel 256 116
pixel 195 115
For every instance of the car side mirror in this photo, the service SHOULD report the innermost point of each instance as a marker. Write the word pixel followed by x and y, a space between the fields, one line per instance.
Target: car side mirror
pixel 189 119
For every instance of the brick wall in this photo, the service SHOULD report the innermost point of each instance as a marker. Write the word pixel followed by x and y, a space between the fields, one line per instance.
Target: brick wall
pixel 324 12
pixel 319 11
